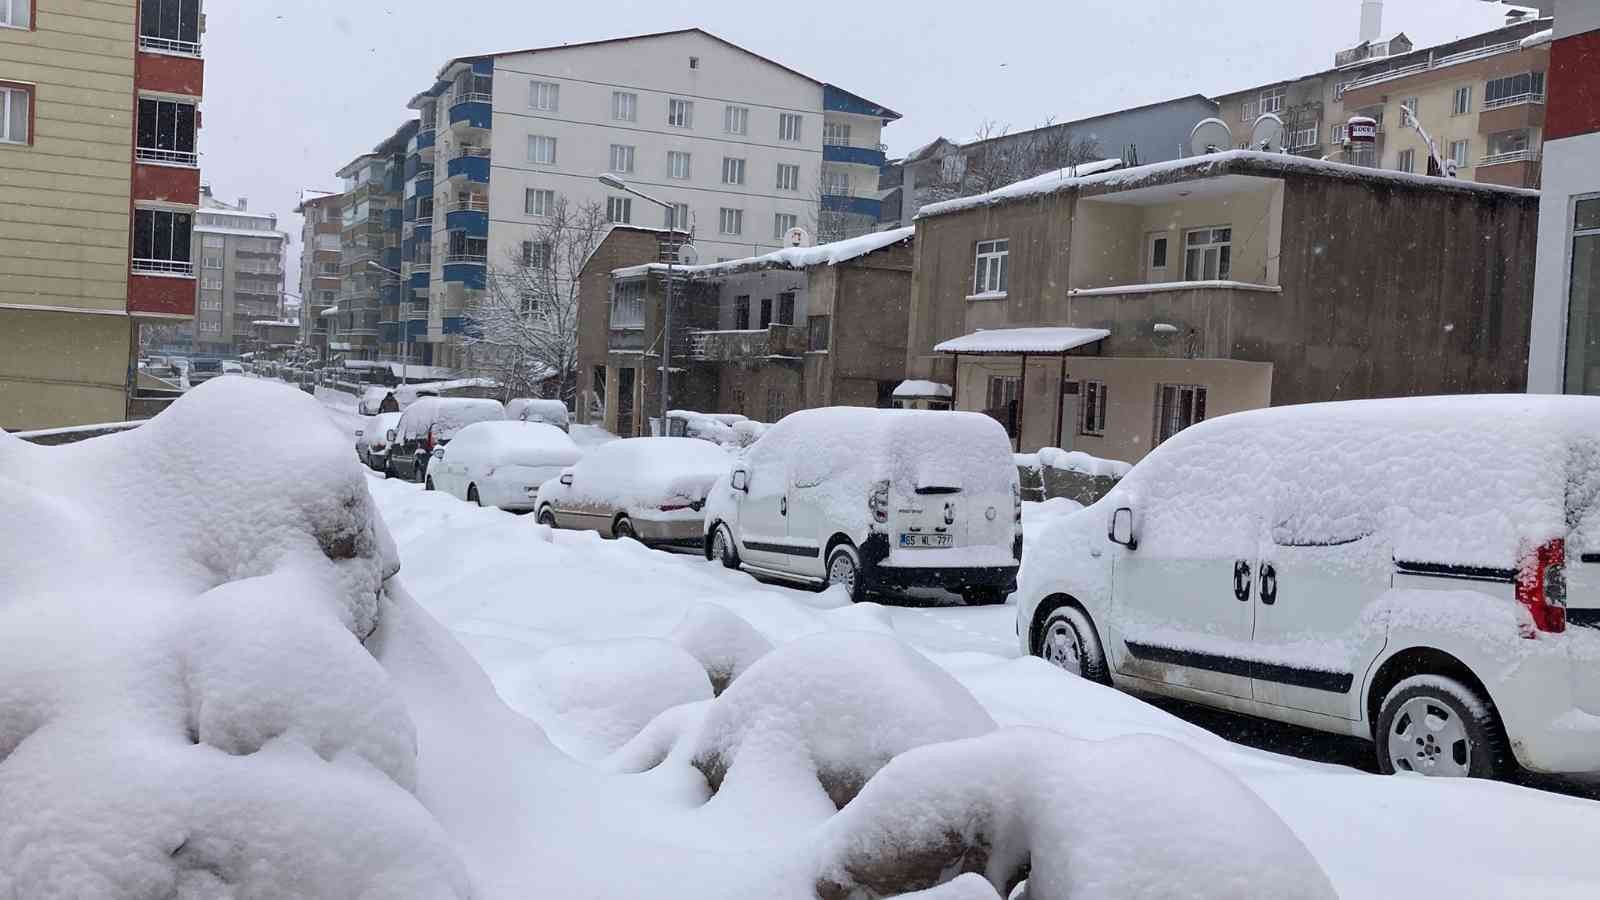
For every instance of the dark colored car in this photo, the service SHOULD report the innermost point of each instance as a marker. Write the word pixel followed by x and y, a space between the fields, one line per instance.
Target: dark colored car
pixel 204 370
pixel 431 422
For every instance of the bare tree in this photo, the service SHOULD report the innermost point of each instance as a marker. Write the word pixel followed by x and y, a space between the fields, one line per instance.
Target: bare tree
pixel 995 157
pixel 525 324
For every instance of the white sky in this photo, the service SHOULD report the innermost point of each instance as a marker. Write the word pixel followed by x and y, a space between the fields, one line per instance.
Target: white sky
pixel 297 88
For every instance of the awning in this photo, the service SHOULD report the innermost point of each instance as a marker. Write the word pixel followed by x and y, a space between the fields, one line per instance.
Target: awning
pixel 916 388
pixel 1023 340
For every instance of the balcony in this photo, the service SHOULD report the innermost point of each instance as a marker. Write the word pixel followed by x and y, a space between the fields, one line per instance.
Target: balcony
pixel 470 215
pixel 471 164
pixel 1512 113
pixel 1510 156
pixel 859 206
pixel 781 341
pixel 467 269
pixel 472 111
pixel 188 160
pixel 1513 168
pixel 425 139
pixel 1205 312
pixel 1429 64
pixel 155 44
pixel 860 156
pixel 173 267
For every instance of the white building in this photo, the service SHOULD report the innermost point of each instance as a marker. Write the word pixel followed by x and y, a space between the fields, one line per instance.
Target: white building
pixel 742 146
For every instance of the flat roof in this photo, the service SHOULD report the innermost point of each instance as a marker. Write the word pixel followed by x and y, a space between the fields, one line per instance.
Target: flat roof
pixel 1012 341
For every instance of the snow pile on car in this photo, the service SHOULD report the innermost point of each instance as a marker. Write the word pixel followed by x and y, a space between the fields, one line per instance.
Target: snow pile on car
pixel 517 443
pixel 447 415
pixel 724 644
pixel 646 471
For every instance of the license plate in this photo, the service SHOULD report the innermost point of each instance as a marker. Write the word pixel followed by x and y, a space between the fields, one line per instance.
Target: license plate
pixel 926 540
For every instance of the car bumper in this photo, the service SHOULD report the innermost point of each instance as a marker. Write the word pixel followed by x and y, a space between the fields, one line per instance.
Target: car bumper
pixel 875 556
pixel 688 531
pixel 1543 709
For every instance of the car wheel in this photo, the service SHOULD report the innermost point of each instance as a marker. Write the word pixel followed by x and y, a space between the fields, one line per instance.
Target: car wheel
pixel 986 596
pixel 472 495
pixel 1068 640
pixel 844 567
pixel 1435 725
pixel 722 548
pixel 624 529
pixel 547 517
pixel 427 485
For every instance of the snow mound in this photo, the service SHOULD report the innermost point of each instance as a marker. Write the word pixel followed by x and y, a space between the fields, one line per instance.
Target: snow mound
pixel 1083 819
pixel 837 706
pixel 964 887
pixel 725 644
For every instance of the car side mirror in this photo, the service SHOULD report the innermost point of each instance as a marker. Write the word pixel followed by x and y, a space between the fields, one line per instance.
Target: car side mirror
pixel 741 481
pixel 391 436
pixel 1121 530
pixel 566 479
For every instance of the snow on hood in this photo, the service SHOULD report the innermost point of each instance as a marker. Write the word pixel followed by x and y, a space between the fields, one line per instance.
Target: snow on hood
pixel 446 416
pixel 645 471
pixel 523 443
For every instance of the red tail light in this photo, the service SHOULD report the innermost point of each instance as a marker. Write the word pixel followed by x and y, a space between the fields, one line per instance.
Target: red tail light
pixel 428 445
pixel 1542 587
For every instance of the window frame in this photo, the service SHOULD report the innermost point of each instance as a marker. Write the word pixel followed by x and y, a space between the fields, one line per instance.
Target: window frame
pixel 1461 101
pixel 788 134
pixel 680 113
pixel 1277 96
pixel 839 136
pixel 813 345
pixel 539 140
pixel 991 267
pixel 624 102
pixel 741 312
pixel 1092 401
pixel 625 205
pixel 30 7
pixel 1406 160
pixel 788 184
pixel 544 96
pixel 673 156
pixel 1463 161
pixel 1195 409
pixel 181 43
pixel 733 215
pixel 733 169
pixel 623 299
pixel 735 119
pixel 9 89
pixel 536 199
pixel 179 261
pixel 1224 260
pixel 672 217
pixel 779 229
pixel 163 156
pixel 627 153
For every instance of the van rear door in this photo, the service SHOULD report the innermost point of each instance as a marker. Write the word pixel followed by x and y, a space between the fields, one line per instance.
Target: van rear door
pixel 929 514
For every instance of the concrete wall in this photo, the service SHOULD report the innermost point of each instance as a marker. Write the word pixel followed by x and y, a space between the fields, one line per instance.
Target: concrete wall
pixel 621 247
pixel 59 368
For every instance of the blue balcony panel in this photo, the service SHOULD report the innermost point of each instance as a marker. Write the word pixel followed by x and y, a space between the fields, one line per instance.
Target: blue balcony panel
pixel 840 100
pixel 413 162
pixel 425 139
pixel 389 295
pixel 483 66
pixel 860 156
pixel 391 258
pixel 473 168
pixel 860 206
pixel 422 187
pixel 410 214
pixel 389 332
pixel 469 275
pixel 420 280
pixel 394 218
pixel 424 231
pixel 474 113
pixel 417 329
pixel 473 222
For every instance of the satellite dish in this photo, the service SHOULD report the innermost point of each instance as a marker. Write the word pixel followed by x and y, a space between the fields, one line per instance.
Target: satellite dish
pixel 1267 134
pixel 797 237
pixel 688 255
pixel 1210 136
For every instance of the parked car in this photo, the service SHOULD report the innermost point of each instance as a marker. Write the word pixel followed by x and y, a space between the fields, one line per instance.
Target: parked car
pixel 651 489
pixel 502 463
pixel 532 409
pixel 377 399
pixel 429 423
pixel 232 367
pixel 1411 572
pixel 372 440
pixel 203 370
pixel 874 499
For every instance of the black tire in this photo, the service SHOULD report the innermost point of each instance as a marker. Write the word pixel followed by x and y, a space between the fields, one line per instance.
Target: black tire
pixel 472 495
pixel 547 517
pixel 624 529
pixel 721 547
pixel 427 485
pixel 855 582
pixel 984 596
pixel 1067 639
pixel 1480 751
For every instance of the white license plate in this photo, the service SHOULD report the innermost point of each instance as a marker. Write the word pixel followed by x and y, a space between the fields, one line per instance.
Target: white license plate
pixel 926 540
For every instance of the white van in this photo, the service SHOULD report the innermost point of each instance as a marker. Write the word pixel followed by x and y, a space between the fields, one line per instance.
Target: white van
pixel 874 498
pixel 1415 572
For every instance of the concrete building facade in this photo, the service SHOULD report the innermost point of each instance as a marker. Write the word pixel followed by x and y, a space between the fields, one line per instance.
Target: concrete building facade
pixel 369 308
pixel 322 217
pixel 240 255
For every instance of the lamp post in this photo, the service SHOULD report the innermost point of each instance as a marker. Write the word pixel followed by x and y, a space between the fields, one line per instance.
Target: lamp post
pixel 405 327
pixel 615 182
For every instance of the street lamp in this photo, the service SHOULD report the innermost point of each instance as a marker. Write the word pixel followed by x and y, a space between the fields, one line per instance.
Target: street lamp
pixel 405 327
pixel 615 182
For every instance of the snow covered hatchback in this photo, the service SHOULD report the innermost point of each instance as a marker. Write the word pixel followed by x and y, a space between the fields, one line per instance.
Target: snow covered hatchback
pixel 874 498
pixel 502 463
pixel 651 489
pixel 1415 572
pixel 431 422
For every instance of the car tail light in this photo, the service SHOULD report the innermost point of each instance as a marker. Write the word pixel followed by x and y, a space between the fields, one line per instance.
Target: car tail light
pixel 428 445
pixel 878 501
pixel 1542 586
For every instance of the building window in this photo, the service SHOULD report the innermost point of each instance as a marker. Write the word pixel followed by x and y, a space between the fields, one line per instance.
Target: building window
pixel 786 308
pixel 211 303
pixel 425 210
pixel 541 150
pixel 1583 301
pixel 836 184
pixel 627 304
pixel 1406 161
pixel 172 26
pixel 731 221
pixel 766 313
pixel 1272 101
pixel 1208 254
pixel 741 312
pixel 953 168
pixel 1177 407
pixel 16 13
pixel 1092 399
pixel 536 254
pixel 1247 111
pixel 1338 133
pixel 210 326
pixel 989 274
pixel 1461 104
pixel 1524 87
pixel 330 270
pixel 836 133
pixel 1003 390
pixel 213 262
pixel 619 210
pixel 16 105
pixel 680 113
pixel 213 242
pixel 736 119
pixel 166 132
pixel 1458 153
pixel 162 242
pixel 1302 138
pixel 817 333
pixel 624 106
pixel 1409 104
pixel 538 202
pixel 732 170
pixel 1158 254
pixel 678 216
pixel 788 177
pixel 544 95
pixel 678 165
pixel 621 158
pixel 781 223
pixel 211 282
pixel 789 127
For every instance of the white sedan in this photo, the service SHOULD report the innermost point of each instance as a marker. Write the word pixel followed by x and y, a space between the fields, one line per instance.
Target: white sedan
pixel 500 463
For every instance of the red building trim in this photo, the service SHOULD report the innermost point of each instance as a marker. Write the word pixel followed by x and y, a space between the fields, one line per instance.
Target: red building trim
pixel 170 74
pixel 1573 107
pixel 167 184
pixel 161 294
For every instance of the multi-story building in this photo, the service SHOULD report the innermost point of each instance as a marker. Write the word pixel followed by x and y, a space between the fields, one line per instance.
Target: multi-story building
pixel 97 143
pixel 369 267
pixel 322 220
pixel 240 253
pixel 743 148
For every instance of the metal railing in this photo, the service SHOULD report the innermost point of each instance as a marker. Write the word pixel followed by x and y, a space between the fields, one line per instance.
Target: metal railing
pixel 471 203
pixel 471 151
pixel 163 267
pixel 1429 64
pixel 473 97
pixel 1513 100
pixel 167 157
pixel 468 258
pixel 169 45
pixel 1510 156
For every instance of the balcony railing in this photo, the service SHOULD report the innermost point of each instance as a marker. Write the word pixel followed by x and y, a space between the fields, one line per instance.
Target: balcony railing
pixel 476 259
pixel 472 203
pixel 1428 65
pixel 163 267
pixel 167 157
pixel 1510 156
pixel 476 152
pixel 1514 100
pixel 473 97
pixel 169 45
pixel 746 344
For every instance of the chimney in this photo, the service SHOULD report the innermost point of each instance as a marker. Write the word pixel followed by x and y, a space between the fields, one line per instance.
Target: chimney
pixel 244 204
pixel 1371 20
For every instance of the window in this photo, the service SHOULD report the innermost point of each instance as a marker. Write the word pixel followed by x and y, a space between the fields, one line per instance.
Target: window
pixel 1156 263
pixel 836 133
pixel 1338 133
pixel 781 223
pixel 786 308
pixel 16 103
pixel 538 202
pixel 624 106
pixel 788 177
pixel 766 312
pixel 621 158
pixel 1461 104
pixel 627 304
pixel 1208 254
pixel 731 221
pixel 619 209
pixel 541 150
pixel 678 216
pixel 1177 407
pixel 1513 89
pixel 1406 161
pixel 330 269
pixel 211 326
pixel 170 25
pixel 1247 111
pixel 741 312
pixel 989 275
pixel 425 210
pixel 161 242
pixel 678 165
pixel 736 119
pixel 213 262
pixel 1410 104
pixel 732 170
pixel 16 13
pixel 1301 138
pixel 544 95
pixel 1508 146
pixel 1458 153
pixel 1272 101
pixel 211 303
pixel 213 241
pixel 1583 301
pixel 211 282
pixel 817 333
pixel 694 62
pixel 680 113
pixel 836 184
pixel 166 132
pixel 536 254
pixel 1092 403
pixel 788 127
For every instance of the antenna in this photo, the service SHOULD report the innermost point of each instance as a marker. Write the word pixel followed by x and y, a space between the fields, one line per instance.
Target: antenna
pixel 688 255
pixel 1210 136
pixel 797 237
pixel 1267 134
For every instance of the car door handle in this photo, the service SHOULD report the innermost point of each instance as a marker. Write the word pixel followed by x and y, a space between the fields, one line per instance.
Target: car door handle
pixel 1241 579
pixel 1269 584
pixel 783 506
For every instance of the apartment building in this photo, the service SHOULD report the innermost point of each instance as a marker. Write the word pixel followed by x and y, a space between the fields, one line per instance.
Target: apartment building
pixel 1481 99
pixel 97 142
pixel 1107 312
pixel 370 295
pixel 322 220
pixel 240 253
pixel 742 148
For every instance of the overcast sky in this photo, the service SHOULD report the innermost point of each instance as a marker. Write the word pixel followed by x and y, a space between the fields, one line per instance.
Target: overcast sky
pixel 297 88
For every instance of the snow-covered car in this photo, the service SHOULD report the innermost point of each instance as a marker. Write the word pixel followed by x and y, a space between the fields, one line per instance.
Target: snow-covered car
pixel 1414 572
pixel 372 440
pixel 651 489
pixel 376 400
pixel 502 463
pixel 232 367
pixel 203 370
pixel 533 409
pixel 432 422
pixel 874 499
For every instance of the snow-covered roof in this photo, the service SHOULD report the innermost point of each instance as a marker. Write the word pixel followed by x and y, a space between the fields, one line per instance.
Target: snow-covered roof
pixel 276 322
pixel 307 195
pixel 1538 38
pixel 789 257
pixel 210 202
pixel 918 388
pixel 1159 286
pixel 1023 340
pixel 268 234
pixel 330 311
